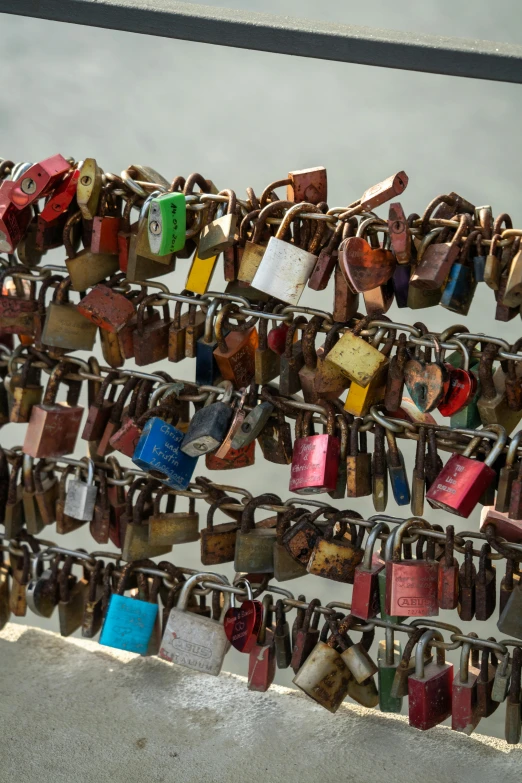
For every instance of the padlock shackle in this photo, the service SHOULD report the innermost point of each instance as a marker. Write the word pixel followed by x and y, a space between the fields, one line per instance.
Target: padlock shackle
pixel 292 213
pixel 191 583
pixel 425 640
pixel 400 531
pixel 247 517
pixel 500 443
pixel 373 536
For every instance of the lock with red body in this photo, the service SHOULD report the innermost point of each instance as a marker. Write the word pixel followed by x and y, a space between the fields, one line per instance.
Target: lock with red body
pixel 38 180
pixel 365 595
pixel 461 483
pixel 411 585
pixel 315 460
pixel 53 426
pixel 107 308
pixel 429 689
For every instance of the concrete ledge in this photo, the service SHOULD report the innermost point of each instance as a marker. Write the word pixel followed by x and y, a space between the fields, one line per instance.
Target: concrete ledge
pixel 73 711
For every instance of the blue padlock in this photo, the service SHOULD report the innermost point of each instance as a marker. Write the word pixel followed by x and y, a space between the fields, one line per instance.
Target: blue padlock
pixel 207 371
pixel 129 622
pixel 479 267
pixel 158 452
pixel 397 471
pixel 460 288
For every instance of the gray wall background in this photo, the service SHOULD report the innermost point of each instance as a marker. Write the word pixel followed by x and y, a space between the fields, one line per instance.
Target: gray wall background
pixel 246 118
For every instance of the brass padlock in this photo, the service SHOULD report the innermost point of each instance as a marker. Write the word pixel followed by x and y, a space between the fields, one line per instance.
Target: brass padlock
pixel 171 527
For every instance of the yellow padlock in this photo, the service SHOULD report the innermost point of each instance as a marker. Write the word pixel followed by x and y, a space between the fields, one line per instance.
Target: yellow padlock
pixel 200 274
pixel 356 358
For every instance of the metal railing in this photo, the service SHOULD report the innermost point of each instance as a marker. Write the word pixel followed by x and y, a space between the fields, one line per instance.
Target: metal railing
pixel 474 59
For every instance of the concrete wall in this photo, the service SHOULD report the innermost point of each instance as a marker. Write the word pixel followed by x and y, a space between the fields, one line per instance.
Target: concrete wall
pixel 73 711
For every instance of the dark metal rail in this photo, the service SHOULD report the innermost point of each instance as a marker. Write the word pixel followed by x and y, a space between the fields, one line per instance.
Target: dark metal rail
pixel 286 35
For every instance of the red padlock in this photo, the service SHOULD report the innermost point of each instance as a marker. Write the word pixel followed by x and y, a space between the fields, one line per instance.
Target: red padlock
pixel 262 659
pixel 365 595
pixel 242 624
pixel 106 308
pixel 53 426
pixel 429 689
pixel 13 222
pixel 460 484
pixel 61 198
pixel 448 590
pixel 411 585
pixel 315 460
pixel 38 180
pixel 464 713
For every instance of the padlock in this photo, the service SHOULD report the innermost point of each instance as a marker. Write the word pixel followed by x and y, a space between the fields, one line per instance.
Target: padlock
pixel 334 556
pixel 195 329
pixel 399 233
pixel 307 635
pixel 20 575
pixel 513 292
pixel 106 308
pixel 502 679
pixel 73 593
pixel 171 527
pixel 346 303
pixel 464 712
pixel 326 261
pixel 411 585
pixel 509 582
pixel 509 622
pixel 358 463
pixel 426 381
pixel 61 199
pixel 53 427
pixel 419 475
pixel 397 471
pixel 159 452
pixel 219 234
pixel 329 381
pixel 133 418
pixel 86 268
pixel 300 539
pixel 492 405
pixel 282 638
pixel 365 265
pixel 46 493
pixel 355 656
pixel 342 473
pixel 285 268
pixel 307 185
pixel 81 496
pixel 266 362
pixel 43 591
pixel 462 481
pixel 235 352
pixel 308 370
pixel 13 222
pixel 218 543
pixel 324 676
pixel 100 409
pixel 38 180
pixel 388 661
pixel 65 328
pixel 262 657
pixel 467 578
pixel 406 667
pixel 88 188
pixel 193 640
pixel 460 286
pixel 357 359
pixel 448 590
pixel 435 264
pixel 252 425
pixel 151 337
pixel 207 371
pixel 167 224
pixel 315 459
pixel 134 523
pixel 365 594
pixel 14 514
pixel 512 721
pixel 18 306
pixel 485 586
pixel 99 525
pixel 285 566
pixel 31 510
pixel 292 360
pixel 429 689
pixel 209 424
pixel 26 394
pixel 242 624
pixel 462 386
pixel 513 382
pixel 379 470
pixel 64 523
pixel 395 377
pixel 488 666
pixel 254 248
pixel 129 622
pixel 136 258
pixel 116 415
pixel 93 608
pixel 254 553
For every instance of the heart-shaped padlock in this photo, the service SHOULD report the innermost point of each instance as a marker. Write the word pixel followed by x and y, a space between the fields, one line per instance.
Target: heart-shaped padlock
pixel 242 623
pixel 363 266
pixel 462 385
pixel 427 382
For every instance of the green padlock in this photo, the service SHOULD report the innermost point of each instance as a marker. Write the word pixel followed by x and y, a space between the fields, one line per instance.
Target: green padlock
pixel 167 226
pixel 389 658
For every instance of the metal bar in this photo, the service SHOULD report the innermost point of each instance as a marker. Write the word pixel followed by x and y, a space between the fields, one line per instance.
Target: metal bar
pixel 286 35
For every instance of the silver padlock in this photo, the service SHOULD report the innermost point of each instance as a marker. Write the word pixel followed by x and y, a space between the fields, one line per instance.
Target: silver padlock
pixel 81 495
pixel 285 268
pixel 254 422
pixel 192 640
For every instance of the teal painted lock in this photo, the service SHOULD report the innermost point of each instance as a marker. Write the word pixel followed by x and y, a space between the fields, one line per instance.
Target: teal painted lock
pixel 460 286
pixel 159 453
pixel 167 226
pixel 129 622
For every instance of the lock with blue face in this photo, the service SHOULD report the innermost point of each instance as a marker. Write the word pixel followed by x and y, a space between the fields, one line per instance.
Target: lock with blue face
pixel 129 622
pixel 207 371
pixel 158 452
